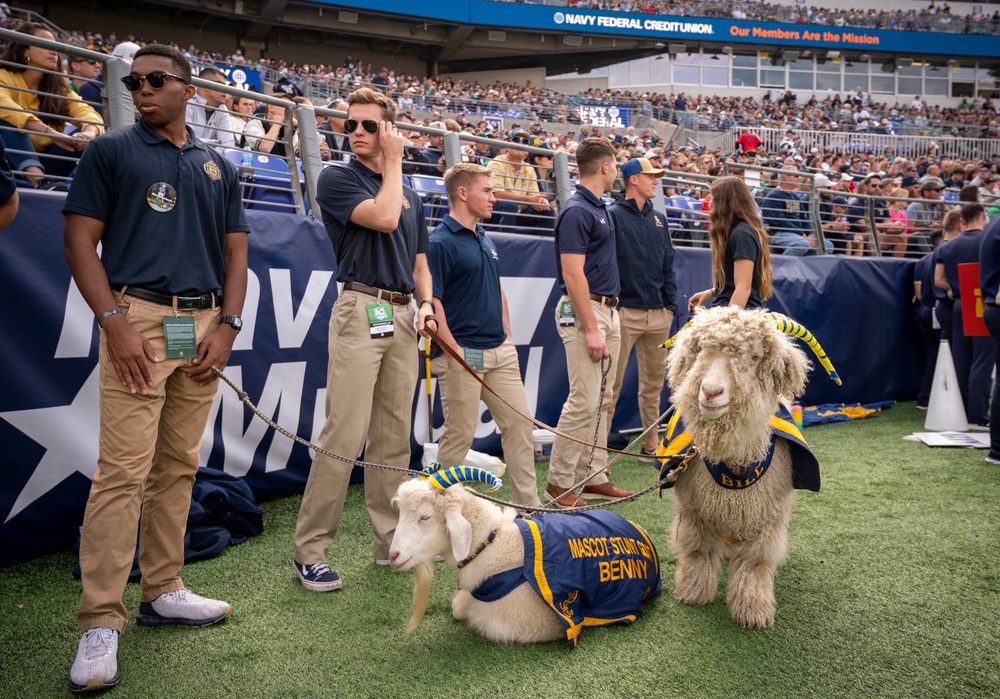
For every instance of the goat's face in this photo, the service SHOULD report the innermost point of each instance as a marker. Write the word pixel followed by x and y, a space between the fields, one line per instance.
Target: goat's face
pixel 731 366
pixel 420 534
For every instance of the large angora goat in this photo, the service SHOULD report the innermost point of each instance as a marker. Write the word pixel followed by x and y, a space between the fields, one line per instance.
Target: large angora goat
pixel 726 374
pixel 523 580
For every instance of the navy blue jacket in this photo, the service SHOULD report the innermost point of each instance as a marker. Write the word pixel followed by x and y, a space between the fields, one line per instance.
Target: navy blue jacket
pixel 783 212
pixel 645 256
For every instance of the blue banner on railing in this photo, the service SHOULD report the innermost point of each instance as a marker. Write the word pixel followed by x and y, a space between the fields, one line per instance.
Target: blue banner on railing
pixel 858 309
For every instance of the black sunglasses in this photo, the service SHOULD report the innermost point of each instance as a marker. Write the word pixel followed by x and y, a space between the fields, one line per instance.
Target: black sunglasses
pixel 519 139
pixel 369 125
pixel 156 80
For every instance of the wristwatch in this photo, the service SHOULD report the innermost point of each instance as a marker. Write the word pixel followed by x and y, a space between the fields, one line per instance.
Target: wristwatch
pixel 235 321
pixel 429 301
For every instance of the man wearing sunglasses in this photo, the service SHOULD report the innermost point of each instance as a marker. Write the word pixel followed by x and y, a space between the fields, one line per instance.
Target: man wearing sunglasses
pixel 167 291
pixel 83 72
pixel 378 232
pixel 515 185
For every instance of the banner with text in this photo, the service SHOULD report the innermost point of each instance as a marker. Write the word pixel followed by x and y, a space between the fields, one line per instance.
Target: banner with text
pixel 48 397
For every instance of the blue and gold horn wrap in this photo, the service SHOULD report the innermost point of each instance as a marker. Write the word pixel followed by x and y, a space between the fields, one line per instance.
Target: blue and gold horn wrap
pixel 443 478
pixel 790 327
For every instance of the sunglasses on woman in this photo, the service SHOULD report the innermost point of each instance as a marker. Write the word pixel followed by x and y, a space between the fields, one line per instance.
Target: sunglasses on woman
pixel 156 80
pixel 368 125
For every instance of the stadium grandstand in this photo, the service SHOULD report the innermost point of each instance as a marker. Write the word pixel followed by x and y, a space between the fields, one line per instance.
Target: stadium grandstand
pixel 674 94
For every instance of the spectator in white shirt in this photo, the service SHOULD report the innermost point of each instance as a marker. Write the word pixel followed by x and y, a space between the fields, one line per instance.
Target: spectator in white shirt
pixel 206 112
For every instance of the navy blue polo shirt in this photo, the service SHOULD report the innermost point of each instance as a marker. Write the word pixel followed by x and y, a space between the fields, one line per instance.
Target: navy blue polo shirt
pixel 171 242
pixel 585 227
pixel 383 260
pixel 961 249
pixel 989 262
pixel 466 272
pixel 743 244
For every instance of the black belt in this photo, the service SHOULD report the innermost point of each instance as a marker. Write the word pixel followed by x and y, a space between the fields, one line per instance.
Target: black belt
pixel 395 297
pixel 606 300
pixel 184 303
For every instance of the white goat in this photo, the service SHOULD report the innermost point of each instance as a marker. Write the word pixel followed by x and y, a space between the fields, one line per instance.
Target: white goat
pixel 726 374
pixel 449 522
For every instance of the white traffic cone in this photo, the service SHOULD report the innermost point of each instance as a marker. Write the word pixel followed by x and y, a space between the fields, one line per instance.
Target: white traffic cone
pixel 945 411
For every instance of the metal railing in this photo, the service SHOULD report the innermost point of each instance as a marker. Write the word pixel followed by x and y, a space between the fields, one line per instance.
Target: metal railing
pixel 846 143
pixel 289 182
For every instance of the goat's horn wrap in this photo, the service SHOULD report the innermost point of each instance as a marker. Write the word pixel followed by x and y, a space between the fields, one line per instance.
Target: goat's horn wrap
pixel 790 327
pixel 670 343
pixel 443 478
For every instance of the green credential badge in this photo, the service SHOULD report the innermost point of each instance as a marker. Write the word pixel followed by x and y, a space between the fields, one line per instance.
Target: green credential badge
pixel 474 358
pixel 566 314
pixel 178 331
pixel 380 320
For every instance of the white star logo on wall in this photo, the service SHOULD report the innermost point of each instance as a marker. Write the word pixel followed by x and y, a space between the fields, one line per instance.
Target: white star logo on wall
pixel 68 433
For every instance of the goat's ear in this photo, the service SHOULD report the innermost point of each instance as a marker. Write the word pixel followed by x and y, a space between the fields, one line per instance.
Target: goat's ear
pixel 791 369
pixel 459 530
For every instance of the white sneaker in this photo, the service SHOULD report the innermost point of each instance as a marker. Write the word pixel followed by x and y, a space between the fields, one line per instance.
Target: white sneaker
pixel 182 608
pixel 96 664
pixel 991 460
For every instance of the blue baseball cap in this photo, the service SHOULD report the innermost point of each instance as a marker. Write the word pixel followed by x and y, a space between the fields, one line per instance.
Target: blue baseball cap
pixel 637 166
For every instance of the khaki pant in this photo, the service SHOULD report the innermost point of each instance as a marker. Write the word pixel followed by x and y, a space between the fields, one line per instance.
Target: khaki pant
pixel 148 457
pixel 568 464
pixel 460 396
pixel 369 396
pixel 645 329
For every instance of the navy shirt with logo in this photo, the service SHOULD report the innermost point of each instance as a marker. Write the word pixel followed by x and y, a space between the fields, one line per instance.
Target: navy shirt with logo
pixel 166 210
pixel 466 272
pixel 743 244
pixel 364 255
pixel 585 227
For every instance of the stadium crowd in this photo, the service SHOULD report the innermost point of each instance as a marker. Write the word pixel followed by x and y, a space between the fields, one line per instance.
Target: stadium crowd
pixel 444 101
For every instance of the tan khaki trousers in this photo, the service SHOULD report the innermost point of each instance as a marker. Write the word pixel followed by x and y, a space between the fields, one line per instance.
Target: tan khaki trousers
pixel 460 396
pixel 645 329
pixel 369 396
pixel 148 457
pixel 568 464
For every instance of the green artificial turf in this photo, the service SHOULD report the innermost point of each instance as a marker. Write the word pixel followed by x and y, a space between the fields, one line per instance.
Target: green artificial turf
pixel 892 589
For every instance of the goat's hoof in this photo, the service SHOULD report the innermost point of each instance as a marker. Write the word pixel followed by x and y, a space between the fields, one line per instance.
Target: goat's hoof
pixel 755 619
pixel 695 590
pixel 699 600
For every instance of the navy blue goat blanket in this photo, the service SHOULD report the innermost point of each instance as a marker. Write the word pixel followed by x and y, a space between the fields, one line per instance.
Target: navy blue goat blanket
pixel 593 568
pixel 805 467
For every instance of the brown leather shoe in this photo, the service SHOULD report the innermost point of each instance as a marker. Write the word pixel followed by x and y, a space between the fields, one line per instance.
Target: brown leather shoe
pixel 568 500
pixel 606 491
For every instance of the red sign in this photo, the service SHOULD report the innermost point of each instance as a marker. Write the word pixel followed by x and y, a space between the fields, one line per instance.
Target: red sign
pixel 972 299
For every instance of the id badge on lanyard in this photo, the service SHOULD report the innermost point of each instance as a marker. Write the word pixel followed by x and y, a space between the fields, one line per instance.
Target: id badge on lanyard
pixel 179 333
pixel 566 314
pixel 380 322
